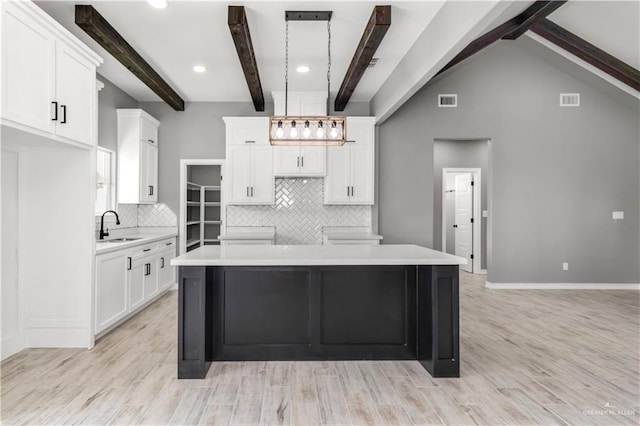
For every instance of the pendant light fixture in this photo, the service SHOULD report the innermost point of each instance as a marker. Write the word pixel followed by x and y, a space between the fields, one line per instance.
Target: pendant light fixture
pixel 307 130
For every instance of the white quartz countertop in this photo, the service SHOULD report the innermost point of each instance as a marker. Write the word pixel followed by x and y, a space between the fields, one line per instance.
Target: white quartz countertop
pixel 139 238
pixel 311 255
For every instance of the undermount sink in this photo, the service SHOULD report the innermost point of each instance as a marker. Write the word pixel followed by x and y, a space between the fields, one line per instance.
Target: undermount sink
pixel 119 240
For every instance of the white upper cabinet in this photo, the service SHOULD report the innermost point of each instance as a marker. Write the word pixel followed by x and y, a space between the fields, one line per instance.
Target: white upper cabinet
pixel 300 103
pixel 250 177
pixel 308 161
pixel 350 168
pixel 48 76
pixel 137 157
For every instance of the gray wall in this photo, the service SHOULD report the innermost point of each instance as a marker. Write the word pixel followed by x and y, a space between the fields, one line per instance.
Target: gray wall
pixel 199 132
pixel 457 153
pixel 555 174
pixel 110 98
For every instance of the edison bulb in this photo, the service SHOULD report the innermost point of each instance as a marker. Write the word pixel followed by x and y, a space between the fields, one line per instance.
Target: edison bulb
pixel 279 132
pixel 293 132
pixel 306 132
pixel 334 133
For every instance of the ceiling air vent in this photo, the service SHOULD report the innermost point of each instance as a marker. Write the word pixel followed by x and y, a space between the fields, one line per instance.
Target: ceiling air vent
pixel 569 99
pixel 372 63
pixel 448 101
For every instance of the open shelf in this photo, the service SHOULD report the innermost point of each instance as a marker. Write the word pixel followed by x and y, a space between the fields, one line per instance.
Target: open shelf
pixel 191 243
pixel 201 193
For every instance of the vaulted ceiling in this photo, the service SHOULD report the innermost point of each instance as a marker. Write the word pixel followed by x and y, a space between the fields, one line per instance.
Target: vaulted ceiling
pixel 422 38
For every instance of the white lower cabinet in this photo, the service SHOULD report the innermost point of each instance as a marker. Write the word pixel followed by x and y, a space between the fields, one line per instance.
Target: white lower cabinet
pixel 166 272
pixel 111 288
pixel 128 279
pixel 135 282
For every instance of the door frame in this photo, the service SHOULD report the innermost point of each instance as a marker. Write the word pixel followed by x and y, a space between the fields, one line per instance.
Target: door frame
pixel 476 264
pixel 182 220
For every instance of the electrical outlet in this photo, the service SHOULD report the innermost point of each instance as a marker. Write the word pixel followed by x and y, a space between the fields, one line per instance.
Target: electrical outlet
pixel 565 266
pixel 617 215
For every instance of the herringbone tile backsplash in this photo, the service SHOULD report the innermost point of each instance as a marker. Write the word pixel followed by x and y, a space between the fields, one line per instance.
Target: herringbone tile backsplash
pixel 299 213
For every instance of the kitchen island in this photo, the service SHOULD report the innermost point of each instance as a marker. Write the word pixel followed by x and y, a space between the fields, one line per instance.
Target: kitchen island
pixel 317 302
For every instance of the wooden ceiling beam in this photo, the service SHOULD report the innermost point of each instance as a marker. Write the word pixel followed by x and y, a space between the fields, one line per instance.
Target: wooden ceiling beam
pixel 88 18
pixel 239 27
pixel 536 12
pixel 588 52
pixel 372 36
pixel 510 30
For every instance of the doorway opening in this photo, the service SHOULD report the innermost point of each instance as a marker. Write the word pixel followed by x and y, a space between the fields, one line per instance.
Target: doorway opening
pixel 461 213
pixel 461 200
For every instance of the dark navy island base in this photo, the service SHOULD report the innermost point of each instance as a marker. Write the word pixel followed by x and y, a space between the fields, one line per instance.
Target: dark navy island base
pixel 296 313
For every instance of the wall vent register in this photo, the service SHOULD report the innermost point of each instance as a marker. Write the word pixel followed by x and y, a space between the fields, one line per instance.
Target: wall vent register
pixel 569 99
pixel 448 100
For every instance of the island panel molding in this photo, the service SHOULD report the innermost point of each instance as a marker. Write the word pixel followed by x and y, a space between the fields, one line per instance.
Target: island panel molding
pixel 318 303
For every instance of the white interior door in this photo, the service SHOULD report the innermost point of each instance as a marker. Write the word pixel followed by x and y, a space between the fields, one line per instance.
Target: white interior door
pixel 464 214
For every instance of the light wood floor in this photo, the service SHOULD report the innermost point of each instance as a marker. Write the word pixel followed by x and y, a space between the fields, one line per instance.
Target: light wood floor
pixel 528 357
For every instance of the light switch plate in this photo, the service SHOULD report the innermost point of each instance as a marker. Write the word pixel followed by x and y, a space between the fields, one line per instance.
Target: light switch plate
pixel 618 215
pixel 565 266
pixel 485 213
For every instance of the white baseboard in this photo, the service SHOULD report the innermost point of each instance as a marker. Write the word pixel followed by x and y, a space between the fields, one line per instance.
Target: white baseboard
pixel 483 272
pixel 11 345
pixel 562 286
pixel 54 333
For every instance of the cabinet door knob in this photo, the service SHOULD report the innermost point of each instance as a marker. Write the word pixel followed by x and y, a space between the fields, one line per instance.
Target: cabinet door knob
pixel 55 111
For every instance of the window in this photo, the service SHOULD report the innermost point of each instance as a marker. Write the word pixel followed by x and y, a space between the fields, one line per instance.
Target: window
pixel 105 180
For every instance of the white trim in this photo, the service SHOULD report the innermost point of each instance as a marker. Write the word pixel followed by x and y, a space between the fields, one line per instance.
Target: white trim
pixel 99 85
pixel 483 271
pixel 476 266
pixel 559 50
pixel 562 286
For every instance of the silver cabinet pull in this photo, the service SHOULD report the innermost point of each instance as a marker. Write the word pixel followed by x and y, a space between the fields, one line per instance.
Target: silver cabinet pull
pixel 249 141
pixel 352 191
pixel 302 161
pixel 297 161
pixel 168 244
pixel 162 263
pixel 252 191
pixel 347 191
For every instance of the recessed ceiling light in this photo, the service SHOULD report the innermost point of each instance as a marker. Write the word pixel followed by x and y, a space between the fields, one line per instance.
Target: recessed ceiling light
pixel 302 69
pixel 199 68
pixel 158 4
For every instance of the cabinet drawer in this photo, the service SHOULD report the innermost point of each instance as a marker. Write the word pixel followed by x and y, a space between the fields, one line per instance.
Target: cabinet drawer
pixel 143 250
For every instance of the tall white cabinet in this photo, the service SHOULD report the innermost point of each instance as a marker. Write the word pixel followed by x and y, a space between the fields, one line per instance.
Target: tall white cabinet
pixel 48 76
pixel 137 157
pixel 350 168
pixel 250 157
pixel 48 115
